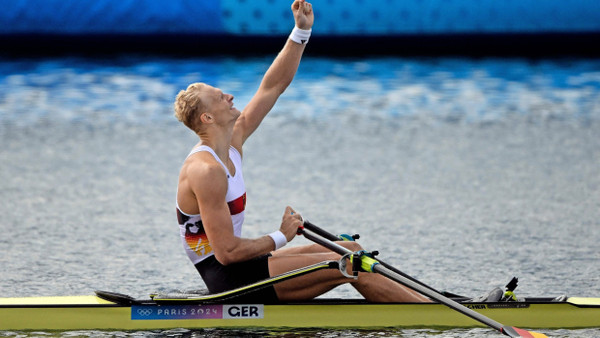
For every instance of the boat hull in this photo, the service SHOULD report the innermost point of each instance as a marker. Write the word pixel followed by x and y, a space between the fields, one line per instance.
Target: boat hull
pixel 92 312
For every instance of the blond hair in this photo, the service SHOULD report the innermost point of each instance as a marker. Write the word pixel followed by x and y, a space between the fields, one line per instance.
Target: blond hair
pixel 188 105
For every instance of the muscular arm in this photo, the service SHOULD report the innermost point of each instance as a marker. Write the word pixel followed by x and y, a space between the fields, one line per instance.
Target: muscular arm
pixel 277 78
pixel 210 187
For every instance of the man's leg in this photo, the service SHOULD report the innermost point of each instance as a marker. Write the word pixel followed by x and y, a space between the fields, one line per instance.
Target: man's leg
pixel 374 287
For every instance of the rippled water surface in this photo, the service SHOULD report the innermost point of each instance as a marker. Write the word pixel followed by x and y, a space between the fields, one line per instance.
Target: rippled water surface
pixel 461 172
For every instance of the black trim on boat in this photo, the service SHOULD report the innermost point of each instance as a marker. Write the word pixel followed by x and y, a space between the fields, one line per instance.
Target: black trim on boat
pixel 119 298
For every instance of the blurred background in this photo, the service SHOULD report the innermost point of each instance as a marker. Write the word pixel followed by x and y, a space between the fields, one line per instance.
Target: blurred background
pixel 460 138
pixel 510 27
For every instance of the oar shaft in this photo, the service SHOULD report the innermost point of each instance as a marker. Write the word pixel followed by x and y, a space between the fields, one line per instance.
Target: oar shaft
pixel 321 232
pixel 506 330
pixel 436 296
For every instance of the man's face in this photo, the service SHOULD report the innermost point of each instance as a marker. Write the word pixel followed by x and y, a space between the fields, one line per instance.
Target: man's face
pixel 220 105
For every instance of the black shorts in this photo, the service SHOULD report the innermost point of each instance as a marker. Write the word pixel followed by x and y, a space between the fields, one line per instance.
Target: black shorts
pixel 219 278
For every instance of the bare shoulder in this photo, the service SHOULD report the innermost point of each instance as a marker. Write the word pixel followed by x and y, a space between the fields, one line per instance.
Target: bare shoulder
pixel 206 177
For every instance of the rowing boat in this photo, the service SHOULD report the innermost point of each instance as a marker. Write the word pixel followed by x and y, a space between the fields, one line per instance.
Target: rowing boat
pixel 106 310
pixel 109 310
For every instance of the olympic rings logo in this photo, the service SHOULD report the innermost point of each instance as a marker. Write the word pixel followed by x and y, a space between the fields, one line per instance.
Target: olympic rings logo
pixel 144 312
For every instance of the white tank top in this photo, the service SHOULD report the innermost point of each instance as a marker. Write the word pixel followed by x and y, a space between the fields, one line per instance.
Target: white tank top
pixel 191 229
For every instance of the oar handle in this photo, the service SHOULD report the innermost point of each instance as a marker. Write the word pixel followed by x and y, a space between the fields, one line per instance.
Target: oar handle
pixel 321 232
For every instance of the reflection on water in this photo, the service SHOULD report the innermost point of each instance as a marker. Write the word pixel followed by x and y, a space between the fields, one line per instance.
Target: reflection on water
pixel 462 173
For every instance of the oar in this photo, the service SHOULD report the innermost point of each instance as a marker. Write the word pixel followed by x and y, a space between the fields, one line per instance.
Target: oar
pixel 370 264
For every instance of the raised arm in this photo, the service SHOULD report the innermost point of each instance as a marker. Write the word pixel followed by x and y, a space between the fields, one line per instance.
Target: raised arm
pixel 278 76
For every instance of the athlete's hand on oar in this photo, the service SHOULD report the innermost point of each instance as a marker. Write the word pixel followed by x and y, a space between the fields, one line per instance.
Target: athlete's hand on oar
pixel 290 223
pixel 303 14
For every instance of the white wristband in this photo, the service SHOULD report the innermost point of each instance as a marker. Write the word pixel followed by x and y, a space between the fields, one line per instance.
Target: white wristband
pixel 300 36
pixel 279 238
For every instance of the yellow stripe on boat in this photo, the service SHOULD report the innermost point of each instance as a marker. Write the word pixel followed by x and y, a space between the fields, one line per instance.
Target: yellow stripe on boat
pixel 91 312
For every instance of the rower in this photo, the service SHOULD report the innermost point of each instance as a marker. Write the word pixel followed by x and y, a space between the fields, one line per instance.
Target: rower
pixel 211 195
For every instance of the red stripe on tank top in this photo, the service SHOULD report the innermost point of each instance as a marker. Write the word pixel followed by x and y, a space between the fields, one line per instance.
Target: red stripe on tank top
pixel 237 205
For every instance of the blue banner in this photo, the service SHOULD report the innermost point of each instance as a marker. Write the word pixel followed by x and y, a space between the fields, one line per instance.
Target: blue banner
pixel 110 17
pixel 333 17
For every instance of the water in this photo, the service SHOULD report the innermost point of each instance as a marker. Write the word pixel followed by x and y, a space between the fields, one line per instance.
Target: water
pixel 461 172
